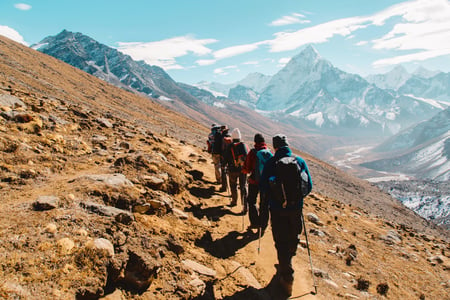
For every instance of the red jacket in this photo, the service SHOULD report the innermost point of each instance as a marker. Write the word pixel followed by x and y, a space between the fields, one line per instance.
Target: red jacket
pixel 250 162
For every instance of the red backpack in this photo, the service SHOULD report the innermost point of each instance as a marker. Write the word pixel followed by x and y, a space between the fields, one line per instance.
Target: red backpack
pixel 239 152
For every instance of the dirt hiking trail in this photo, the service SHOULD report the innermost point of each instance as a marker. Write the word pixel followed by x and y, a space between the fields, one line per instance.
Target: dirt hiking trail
pixel 233 241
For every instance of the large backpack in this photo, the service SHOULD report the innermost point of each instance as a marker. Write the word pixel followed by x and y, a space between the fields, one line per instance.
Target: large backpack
pixel 211 138
pixel 239 153
pixel 262 156
pixel 289 186
pixel 226 141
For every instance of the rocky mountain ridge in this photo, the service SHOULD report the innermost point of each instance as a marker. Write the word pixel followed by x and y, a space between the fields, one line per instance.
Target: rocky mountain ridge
pixel 311 89
pixel 83 52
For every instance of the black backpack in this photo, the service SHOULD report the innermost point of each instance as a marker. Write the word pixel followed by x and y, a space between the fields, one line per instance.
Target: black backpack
pixel 290 184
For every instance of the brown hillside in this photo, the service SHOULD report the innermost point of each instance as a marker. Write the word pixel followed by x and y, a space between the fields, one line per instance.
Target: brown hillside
pixel 106 194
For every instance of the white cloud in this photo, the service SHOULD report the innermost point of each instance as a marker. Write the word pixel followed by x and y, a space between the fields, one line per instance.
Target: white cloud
pixel 285 41
pixel 419 56
pixel 223 71
pixel 206 62
pixel 22 6
pixel 164 53
pixel 236 50
pixel 252 62
pixel 12 34
pixel 361 43
pixel 294 18
pixel 425 27
pixel 284 60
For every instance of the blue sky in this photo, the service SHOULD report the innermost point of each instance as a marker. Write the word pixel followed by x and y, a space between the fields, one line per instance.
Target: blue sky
pixel 224 40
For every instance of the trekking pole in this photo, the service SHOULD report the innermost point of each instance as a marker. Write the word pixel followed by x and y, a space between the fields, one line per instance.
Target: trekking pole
pixel 310 260
pixel 259 240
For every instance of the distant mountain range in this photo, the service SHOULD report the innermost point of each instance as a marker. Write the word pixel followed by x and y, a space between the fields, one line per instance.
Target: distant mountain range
pixel 421 83
pixel 422 150
pixel 328 106
pixel 204 106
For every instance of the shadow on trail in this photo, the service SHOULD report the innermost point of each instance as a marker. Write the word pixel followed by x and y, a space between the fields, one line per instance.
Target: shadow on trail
pixel 202 192
pixel 272 291
pixel 198 175
pixel 211 213
pixel 226 246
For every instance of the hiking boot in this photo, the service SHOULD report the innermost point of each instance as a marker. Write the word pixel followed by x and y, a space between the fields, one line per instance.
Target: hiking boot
pixel 253 226
pixel 286 285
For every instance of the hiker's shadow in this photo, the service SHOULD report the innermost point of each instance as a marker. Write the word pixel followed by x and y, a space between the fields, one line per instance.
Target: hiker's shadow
pixel 202 192
pixel 198 175
pixel 226 246
pixel 213 213
pixel 272 291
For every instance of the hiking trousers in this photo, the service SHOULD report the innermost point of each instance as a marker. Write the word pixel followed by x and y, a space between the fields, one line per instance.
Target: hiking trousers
pixel 258 217
pixel 216 162
pixel 286 228
pixel 234 177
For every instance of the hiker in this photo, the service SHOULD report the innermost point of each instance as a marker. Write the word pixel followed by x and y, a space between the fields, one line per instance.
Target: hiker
pixel 225 141
pixel 285 216
pixel 214 144
pixel 234 158
pixel 254 164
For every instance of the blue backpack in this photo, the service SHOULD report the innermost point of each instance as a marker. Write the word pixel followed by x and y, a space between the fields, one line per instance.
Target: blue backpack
pixel 262 156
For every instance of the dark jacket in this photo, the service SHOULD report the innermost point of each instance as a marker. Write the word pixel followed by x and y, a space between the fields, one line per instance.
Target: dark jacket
pixel 250 162
pixel 269 171
pixel 217 146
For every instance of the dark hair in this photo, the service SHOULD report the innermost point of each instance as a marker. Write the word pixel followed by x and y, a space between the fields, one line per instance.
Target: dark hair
pixel 259 138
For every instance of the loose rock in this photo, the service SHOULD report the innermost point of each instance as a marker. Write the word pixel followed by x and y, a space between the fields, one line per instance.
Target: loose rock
pixel 46 203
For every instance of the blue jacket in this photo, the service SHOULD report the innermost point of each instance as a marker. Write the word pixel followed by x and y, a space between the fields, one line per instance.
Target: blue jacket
pixel 269 171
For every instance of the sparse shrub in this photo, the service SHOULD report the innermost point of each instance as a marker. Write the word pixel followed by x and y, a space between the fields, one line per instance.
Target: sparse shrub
pixel 382 289
pixel 362 284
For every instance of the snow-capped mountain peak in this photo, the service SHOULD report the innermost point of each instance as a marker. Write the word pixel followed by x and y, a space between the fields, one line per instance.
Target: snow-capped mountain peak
pixel 424 73
pixel 308 54
pixel 390 80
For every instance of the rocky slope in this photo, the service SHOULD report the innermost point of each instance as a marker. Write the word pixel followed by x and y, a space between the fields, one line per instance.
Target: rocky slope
pixel 430 199
pixel 106 194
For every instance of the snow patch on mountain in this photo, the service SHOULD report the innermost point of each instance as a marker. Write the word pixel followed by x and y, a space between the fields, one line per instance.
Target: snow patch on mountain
pixel 390 80
pixel 219 104
pixel 429 199
pixel 438 104
pixel 39 46
pixel 317 118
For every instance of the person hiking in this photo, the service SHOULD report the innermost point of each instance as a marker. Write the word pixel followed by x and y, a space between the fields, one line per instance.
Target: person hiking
pixel 234 158
pixel 285 214
pixel 215 147
pixel 224 143
pixel 254 164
